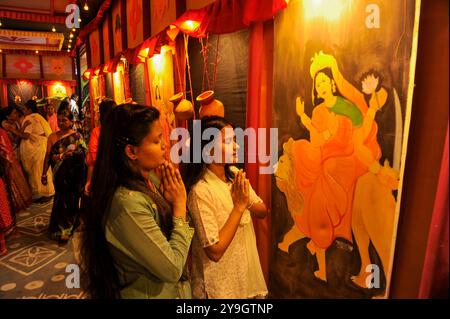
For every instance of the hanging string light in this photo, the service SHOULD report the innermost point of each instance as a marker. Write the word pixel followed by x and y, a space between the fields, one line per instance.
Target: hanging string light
pixel 53 29
pixel 86 7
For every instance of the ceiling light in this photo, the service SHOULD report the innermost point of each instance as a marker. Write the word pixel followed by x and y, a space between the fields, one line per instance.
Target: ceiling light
pixel 73 29
pixel 86 8
pixel 69 46
pixel 71 35
pixel 79 19
pixel 53 29
pixel 70 40
pixel 37 51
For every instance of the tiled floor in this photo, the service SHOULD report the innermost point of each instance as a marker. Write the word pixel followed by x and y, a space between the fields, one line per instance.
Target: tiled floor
pixel 35 266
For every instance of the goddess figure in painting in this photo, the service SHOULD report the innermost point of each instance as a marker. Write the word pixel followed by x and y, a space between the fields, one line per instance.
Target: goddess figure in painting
pixel 342 147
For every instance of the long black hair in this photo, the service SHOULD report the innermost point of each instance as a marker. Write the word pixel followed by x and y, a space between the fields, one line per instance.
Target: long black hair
pixel 126 124
pixel 104 108
pixel 32 105
pixel 193 172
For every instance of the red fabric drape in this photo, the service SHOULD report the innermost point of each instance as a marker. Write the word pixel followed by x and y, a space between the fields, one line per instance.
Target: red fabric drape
pixel 259 108
pixel 434 282
pixel 225 16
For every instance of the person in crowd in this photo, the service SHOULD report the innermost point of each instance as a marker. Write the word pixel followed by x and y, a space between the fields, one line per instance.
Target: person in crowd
pixel 105 107
pixel 74 107
pixel 52 118
pixel 225 260
pixel 6 218
pixel 10 126
pixel 20 192
pixel 34 131
pixel 136 239
pixel 66 153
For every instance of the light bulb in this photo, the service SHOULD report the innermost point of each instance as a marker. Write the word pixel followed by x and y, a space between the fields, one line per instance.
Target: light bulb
pixel 53 29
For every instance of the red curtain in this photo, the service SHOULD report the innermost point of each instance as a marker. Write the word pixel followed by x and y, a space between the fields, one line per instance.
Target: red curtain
pixel 434 282
pixel 259 109
pixel 225 16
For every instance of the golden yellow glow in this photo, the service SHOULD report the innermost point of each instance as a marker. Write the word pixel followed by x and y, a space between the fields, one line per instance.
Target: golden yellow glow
pixel 330 10
pixel 158 63
pixel 190 25
pixel 71 35
pixel 143 53
pixel 59 89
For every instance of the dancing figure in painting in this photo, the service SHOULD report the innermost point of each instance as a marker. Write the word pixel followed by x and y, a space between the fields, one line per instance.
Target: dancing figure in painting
pixel 342 147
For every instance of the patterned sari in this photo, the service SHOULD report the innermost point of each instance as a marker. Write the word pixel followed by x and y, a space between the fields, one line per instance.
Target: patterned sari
pixel 19 189
pixel 6 218
pixel 69 175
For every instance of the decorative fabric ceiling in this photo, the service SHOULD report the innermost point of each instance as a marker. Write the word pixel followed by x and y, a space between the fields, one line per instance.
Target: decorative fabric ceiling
pixel 31 40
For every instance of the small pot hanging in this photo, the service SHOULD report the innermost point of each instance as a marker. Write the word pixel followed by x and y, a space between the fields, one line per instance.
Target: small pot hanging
pixel 209 105
pixel 182 108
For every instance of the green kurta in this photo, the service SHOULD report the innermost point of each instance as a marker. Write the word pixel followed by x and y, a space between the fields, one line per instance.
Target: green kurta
pixel 148 264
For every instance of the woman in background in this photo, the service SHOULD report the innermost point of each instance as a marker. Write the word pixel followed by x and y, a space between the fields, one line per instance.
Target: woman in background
pixel 66 153
pixel 20 192
pixel 221 201
pixel 6 217
pixel 33 133
pixel 52 118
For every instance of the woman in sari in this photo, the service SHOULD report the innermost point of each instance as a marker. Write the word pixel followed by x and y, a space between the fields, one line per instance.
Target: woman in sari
pixel 66 152
pixel 20 191
pixel 10 126
pixel 33 134
pixel 6 218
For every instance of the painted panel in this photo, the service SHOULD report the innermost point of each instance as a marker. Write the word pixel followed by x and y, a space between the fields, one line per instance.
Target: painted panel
pixel 343 79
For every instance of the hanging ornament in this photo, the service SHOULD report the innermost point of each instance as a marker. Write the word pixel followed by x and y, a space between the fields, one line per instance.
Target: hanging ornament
pixel 209 105
pixel 182 108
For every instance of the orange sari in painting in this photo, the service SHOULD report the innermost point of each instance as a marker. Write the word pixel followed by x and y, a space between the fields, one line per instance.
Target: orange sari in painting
pixel 326 172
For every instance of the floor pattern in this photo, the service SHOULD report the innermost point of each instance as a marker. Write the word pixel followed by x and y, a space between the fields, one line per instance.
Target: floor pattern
pixel 36 267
